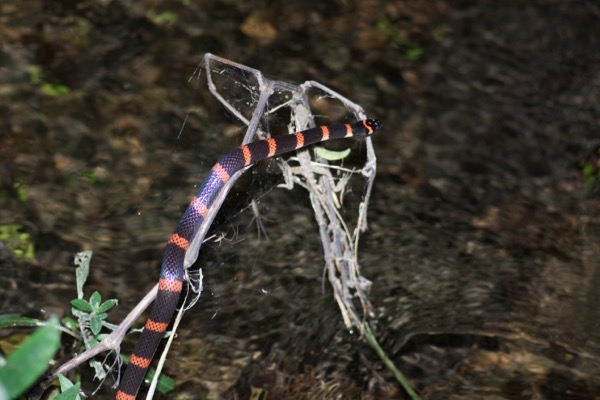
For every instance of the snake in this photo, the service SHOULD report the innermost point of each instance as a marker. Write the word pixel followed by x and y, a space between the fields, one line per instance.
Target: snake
pixel 172 267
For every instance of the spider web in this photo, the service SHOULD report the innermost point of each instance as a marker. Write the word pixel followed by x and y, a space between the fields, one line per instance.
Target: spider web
pixel 268 106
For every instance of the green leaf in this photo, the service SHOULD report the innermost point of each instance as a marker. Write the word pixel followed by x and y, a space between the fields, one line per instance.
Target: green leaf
pixel 95 300
pixel 11 321
pixel 102 336
pixel 90 175
pixel 112 327
pixel 71 393
pixel 107 305
pixel 165 383
pixel 70 323
pixel 29 361
pixel 95 325
pixel 82 305
pixel 100 373
pixel 53 89
pixel 102 316
pixel 65 383
pixel 166 17
pixel 17 242
pixel 413 53
pixel 331 155
pixel 69 390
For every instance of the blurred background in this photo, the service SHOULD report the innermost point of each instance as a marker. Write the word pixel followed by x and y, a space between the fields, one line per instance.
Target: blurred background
pixel 483 240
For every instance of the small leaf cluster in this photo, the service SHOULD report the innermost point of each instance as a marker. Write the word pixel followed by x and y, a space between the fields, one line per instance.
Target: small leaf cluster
pixel 93 312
